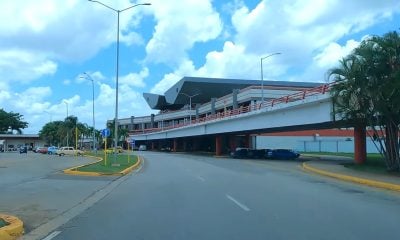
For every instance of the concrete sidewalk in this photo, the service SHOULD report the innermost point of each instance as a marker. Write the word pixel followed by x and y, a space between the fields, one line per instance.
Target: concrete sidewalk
pixel 332 166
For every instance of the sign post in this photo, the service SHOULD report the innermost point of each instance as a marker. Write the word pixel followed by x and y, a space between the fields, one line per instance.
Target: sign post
pixel 105 133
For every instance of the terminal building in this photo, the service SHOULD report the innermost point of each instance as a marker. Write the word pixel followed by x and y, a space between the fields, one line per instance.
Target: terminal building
pixel 193 99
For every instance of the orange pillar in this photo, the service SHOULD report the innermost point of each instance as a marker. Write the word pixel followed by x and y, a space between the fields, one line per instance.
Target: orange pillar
pixel 175 145
pixel 360 144
pixel 218 145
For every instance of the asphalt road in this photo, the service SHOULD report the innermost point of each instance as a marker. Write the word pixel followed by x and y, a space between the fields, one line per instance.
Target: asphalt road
pixel 177 196
pixel 33 187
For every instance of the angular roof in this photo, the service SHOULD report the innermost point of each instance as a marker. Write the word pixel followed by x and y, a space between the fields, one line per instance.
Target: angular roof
pixel 203 89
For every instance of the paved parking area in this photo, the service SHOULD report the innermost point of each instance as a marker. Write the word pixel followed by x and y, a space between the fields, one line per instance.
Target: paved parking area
pixel 33 187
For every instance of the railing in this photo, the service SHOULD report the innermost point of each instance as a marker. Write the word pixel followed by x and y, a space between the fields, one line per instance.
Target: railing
pixel 298 96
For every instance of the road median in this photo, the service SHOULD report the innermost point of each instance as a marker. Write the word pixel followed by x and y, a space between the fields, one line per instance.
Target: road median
pixel 121 166
pixel 12 229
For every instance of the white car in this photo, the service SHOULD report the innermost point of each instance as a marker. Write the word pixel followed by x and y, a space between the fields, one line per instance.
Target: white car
pixel 68 151
pixel 142 148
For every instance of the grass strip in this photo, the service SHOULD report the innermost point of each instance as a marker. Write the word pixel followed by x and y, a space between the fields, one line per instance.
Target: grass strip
pixel 124 161
pixel 374 163
pixel 3 223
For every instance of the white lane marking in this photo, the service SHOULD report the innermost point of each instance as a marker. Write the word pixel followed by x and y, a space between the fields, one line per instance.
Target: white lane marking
pixel 201 178
pixel 241 205
pixel 52 235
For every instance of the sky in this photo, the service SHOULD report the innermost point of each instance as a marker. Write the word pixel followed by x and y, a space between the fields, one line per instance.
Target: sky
pixel 46 46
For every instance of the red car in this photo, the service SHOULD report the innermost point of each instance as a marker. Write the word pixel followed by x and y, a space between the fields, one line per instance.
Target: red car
pixel 42 150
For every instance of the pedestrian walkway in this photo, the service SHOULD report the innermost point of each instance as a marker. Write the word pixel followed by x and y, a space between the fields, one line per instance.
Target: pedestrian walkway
pixel 332 166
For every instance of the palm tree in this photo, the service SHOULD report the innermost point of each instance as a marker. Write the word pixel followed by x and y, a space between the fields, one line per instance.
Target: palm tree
pixel 368 91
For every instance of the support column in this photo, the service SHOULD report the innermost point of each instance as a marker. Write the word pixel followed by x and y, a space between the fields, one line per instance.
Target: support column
pixel 218 145
pixel 247 140
pixel 152 145
pixel 360 144
pixel 175 148
pixel 232 143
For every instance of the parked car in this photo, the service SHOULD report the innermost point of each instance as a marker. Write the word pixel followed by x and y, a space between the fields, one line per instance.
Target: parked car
pixel 111 150
pixel 240 153
pixel 42 150
pixel 52 150
pixel 68 151
pixel 142 148
pixel 258 153
pixel 283 154
pixel 23 149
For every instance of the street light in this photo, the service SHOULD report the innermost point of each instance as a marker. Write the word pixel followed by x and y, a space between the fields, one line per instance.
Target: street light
pixel 94 128
pixel 262 74
pixel 117 69
pixel 190 104
pixel 66 103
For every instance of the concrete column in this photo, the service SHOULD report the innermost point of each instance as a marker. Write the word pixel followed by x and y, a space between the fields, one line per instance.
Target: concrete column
pixel 152 146
pixel 232 143
pixel 175 148
pixel 213 100
pixel 218 145
pixel 152 120
pixel 246 141
pixel 197 110
pixel 131 126
pixel 360 144
pixel 234 98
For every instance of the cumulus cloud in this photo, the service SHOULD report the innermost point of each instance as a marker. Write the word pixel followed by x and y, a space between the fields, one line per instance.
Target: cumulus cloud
pixel 180 24
pixel 135 79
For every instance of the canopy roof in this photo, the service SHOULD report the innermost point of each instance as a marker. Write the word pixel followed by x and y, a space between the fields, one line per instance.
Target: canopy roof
pixel 203 89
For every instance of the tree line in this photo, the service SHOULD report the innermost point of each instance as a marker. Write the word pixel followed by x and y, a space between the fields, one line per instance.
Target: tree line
pixel 367 92
pixel 10 121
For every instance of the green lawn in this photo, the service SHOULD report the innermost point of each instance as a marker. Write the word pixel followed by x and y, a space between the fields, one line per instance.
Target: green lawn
pixel 123 160
pixel 374 164
pixel 3 223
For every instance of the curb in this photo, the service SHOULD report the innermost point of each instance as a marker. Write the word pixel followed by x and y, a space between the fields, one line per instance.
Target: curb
pixel 12 231
pixel 73 171
pixel 363 181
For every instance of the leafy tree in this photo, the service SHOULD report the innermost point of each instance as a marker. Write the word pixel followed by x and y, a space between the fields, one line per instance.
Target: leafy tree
pixel 11 121
pixel 368 92
pixel 51 132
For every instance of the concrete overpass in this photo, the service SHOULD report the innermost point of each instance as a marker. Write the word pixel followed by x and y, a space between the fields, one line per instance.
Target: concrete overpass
pixel 308 109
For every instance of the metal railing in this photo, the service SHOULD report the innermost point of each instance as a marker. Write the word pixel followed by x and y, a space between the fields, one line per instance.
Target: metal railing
pixel 298 96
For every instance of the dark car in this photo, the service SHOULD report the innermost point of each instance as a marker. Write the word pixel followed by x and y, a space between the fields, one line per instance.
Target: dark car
pixel 283 154
pixel 23 149
pixel 240 153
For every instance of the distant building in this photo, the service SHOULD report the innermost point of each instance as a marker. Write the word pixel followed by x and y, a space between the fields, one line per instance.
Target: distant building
pixel 11 142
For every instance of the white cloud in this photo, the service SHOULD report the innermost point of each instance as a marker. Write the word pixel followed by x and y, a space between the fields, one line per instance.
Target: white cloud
pixel 24 66
pixel 330 55
pixel 180 24
pixel 135 79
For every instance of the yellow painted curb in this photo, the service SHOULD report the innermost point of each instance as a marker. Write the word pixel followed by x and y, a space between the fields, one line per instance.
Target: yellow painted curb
pixel 12 231
pixel 364 181
pixel 74 171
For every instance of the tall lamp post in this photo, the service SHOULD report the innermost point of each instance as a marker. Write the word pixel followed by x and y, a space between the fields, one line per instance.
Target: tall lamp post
pixel 117 69
pixel 66 104
pixel 262 74
pixel 87 76
pixel 190 104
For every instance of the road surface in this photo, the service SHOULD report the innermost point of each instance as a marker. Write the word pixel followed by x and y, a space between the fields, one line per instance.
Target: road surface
pixel 178 196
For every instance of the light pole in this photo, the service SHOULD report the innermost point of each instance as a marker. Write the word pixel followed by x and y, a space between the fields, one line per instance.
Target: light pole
pixel 94 126
pixel 117 69
pixel 262 74
pixel 66 103
pixel 190 104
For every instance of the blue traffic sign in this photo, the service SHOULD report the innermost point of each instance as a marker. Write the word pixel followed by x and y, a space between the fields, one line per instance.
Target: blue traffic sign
pixel 105 132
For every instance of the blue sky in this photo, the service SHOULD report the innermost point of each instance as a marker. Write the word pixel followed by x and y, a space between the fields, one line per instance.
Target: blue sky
pixel 46 45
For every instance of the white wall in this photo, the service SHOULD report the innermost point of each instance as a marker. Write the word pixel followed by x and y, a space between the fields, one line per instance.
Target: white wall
pixel 312 144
